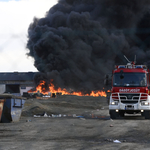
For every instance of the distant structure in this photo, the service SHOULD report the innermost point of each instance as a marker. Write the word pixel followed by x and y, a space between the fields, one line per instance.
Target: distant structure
pixel 17 82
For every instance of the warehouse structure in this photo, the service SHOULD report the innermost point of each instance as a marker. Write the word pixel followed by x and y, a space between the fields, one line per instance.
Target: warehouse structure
pixel 17 82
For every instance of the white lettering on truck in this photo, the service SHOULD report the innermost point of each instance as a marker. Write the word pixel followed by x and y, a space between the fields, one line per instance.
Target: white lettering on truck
pixel 129 90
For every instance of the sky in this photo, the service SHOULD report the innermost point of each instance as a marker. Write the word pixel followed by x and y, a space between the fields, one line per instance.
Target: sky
pixel 15 18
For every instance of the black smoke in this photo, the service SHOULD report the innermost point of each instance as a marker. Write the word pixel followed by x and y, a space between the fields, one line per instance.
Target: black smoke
pixel 79 41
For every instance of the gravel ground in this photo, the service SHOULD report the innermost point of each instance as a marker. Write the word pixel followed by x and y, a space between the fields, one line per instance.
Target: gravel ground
pixel 78 123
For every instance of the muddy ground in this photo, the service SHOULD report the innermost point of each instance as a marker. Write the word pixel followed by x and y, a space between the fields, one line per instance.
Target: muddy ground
pixel 78 123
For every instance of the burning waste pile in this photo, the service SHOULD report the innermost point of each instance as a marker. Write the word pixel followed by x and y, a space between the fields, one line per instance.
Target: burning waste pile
pixel 79 41
pixel 52 92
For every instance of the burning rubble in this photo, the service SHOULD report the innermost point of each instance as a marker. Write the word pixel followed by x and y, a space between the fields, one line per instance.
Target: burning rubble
pixel 79 41
pixel 52 92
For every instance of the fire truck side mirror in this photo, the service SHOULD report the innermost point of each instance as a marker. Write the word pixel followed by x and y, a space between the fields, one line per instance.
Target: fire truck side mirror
pixel 106 80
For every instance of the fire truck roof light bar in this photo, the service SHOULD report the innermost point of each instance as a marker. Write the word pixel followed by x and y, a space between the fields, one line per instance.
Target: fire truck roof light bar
pixel 130 66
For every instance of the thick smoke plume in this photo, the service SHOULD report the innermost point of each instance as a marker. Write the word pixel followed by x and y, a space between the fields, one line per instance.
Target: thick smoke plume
pixel 79 41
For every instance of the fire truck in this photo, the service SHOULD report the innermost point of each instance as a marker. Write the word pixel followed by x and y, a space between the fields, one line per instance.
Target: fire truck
pixel 130 92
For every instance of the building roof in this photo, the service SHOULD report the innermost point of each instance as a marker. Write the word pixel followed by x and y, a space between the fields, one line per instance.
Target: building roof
pixel 17 76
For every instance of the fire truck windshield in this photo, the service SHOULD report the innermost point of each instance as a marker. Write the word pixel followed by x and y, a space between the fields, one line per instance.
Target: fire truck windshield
pixel 131 79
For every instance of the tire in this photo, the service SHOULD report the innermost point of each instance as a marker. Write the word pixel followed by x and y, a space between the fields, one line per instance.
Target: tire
pixel 142 114
pixel 121 113
pixel 146 114
pixel 113 114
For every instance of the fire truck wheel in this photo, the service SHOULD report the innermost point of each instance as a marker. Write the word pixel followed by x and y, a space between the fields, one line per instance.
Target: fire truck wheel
pixel 121 113
pixel 146 114
pixel 113 114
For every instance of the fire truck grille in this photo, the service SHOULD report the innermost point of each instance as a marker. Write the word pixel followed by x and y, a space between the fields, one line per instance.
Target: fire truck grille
pixel 129 102
pixel 129 98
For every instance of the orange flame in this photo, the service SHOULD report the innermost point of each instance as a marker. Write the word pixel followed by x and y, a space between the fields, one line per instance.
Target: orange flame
pixel 40 88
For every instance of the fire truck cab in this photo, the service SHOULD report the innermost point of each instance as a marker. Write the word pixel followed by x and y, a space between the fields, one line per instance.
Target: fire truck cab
pixel 130 92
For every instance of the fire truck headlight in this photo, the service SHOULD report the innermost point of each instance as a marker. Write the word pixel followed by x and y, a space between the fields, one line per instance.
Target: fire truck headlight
pixel 114 103
pixel 145 103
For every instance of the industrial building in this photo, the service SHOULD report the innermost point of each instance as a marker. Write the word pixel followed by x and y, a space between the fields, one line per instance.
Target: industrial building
pixel 17 82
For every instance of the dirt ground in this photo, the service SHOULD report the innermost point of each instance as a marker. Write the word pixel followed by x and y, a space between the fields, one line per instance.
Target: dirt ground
pixel 73 123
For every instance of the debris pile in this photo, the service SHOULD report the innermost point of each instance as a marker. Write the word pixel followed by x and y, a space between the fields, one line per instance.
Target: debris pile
pixel 40 95
pixel 90 116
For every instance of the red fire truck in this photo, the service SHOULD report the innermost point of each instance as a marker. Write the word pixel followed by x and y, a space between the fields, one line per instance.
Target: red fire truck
pixel 130 92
